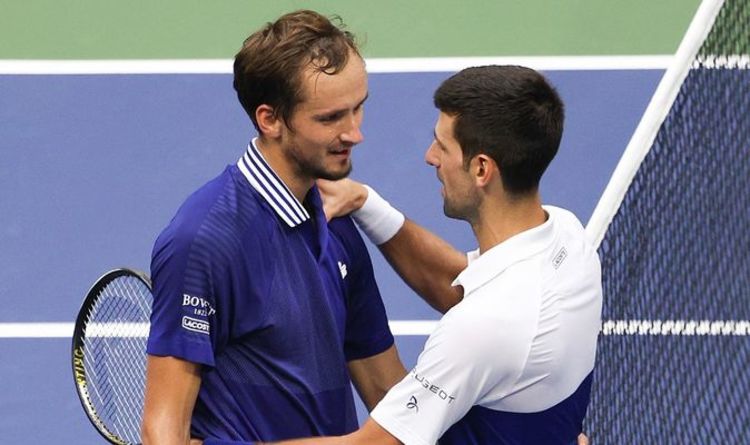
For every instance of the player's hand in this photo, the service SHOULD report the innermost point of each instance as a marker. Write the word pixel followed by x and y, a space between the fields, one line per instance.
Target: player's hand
pixel 200 442
pixel 341 197
pixel 582 440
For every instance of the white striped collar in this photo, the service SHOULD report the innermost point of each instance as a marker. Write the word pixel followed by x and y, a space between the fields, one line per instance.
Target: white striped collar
pixel 264 180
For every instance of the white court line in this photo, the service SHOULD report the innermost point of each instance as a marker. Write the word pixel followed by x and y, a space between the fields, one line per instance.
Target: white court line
pixel 542 63
pixel 419 328
pixel 36 330
pixel 374 65
pixel 412 327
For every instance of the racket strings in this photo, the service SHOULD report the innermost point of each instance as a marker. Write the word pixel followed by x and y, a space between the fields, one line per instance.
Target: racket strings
pixel 127 348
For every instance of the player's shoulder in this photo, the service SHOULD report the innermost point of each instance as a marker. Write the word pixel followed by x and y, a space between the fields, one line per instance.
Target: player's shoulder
pixel 216 214
pixel 342 225
pixel 571 237
pixel 564 218
pixel 344 229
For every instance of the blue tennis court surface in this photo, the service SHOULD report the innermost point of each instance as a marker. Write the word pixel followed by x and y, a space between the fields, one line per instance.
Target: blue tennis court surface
pixel 95 165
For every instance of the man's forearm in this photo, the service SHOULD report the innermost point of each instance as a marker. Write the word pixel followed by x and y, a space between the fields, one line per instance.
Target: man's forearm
pixel 374 376
pixel 369 434
pixel 424 261
pixel 427 264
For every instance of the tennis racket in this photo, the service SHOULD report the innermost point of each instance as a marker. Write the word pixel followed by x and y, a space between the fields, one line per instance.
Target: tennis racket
pixel 109 353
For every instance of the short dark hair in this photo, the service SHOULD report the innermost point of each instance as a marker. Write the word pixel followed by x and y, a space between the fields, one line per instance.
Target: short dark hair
pixel 268 68
pixel 511 114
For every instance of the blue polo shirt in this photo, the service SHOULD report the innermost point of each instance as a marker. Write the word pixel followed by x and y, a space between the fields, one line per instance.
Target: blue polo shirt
pixel 272 300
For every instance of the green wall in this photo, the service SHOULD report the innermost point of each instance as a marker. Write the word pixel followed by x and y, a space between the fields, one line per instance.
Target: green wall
pixel 145 29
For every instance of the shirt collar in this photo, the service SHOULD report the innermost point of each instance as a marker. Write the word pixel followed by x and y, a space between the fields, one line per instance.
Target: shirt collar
pixel 267 183
pixel 483 268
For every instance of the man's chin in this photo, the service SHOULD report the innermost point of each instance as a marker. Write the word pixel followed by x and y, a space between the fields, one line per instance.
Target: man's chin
pixel 335 175
pixel 453 213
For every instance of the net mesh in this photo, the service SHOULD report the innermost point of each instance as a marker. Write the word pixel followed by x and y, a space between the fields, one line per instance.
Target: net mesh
pixel 678 250
pixel 115 355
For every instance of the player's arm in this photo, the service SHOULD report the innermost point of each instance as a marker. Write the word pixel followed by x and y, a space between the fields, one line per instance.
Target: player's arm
pixel 172 388
pixel 374 376
pixel 427 263
pixel 370 434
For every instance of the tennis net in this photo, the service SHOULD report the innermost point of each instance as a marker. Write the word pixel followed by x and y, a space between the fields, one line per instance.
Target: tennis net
pixel 673 361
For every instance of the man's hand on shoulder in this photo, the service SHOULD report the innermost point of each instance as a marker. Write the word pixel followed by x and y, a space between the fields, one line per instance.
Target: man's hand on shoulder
pixel 341 197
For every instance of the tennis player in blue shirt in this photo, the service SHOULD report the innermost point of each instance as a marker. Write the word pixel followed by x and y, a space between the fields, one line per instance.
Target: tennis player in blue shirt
pixel 264 312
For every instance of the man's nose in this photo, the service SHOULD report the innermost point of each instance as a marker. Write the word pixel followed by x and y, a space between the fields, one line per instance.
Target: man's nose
pixel 430 157
pixel 353 134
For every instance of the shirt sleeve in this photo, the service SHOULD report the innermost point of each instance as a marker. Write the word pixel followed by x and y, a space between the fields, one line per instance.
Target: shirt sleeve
pixel 184 313
pixel 464 359
pixel 367 331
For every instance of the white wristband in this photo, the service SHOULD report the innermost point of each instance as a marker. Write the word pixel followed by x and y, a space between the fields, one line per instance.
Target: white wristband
pixel 377 218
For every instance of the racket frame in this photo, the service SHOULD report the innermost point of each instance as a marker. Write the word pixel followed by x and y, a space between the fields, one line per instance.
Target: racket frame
pixel 79 336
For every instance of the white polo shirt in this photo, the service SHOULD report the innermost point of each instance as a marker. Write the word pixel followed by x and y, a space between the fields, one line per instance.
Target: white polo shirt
pixel 511 362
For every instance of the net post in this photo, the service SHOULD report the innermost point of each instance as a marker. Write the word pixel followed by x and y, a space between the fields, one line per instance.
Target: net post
pixel 644 135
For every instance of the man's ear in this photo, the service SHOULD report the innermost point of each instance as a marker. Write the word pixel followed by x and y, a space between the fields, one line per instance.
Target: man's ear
pixel 485 170
pixel 269 123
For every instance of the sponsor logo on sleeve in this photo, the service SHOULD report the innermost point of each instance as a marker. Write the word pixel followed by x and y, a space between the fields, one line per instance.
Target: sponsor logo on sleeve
pixel 198 305
pixel 432 387
pixel 195 325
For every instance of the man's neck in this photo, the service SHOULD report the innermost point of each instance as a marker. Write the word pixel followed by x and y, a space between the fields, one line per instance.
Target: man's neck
pixel 275 156
pixel 502 219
